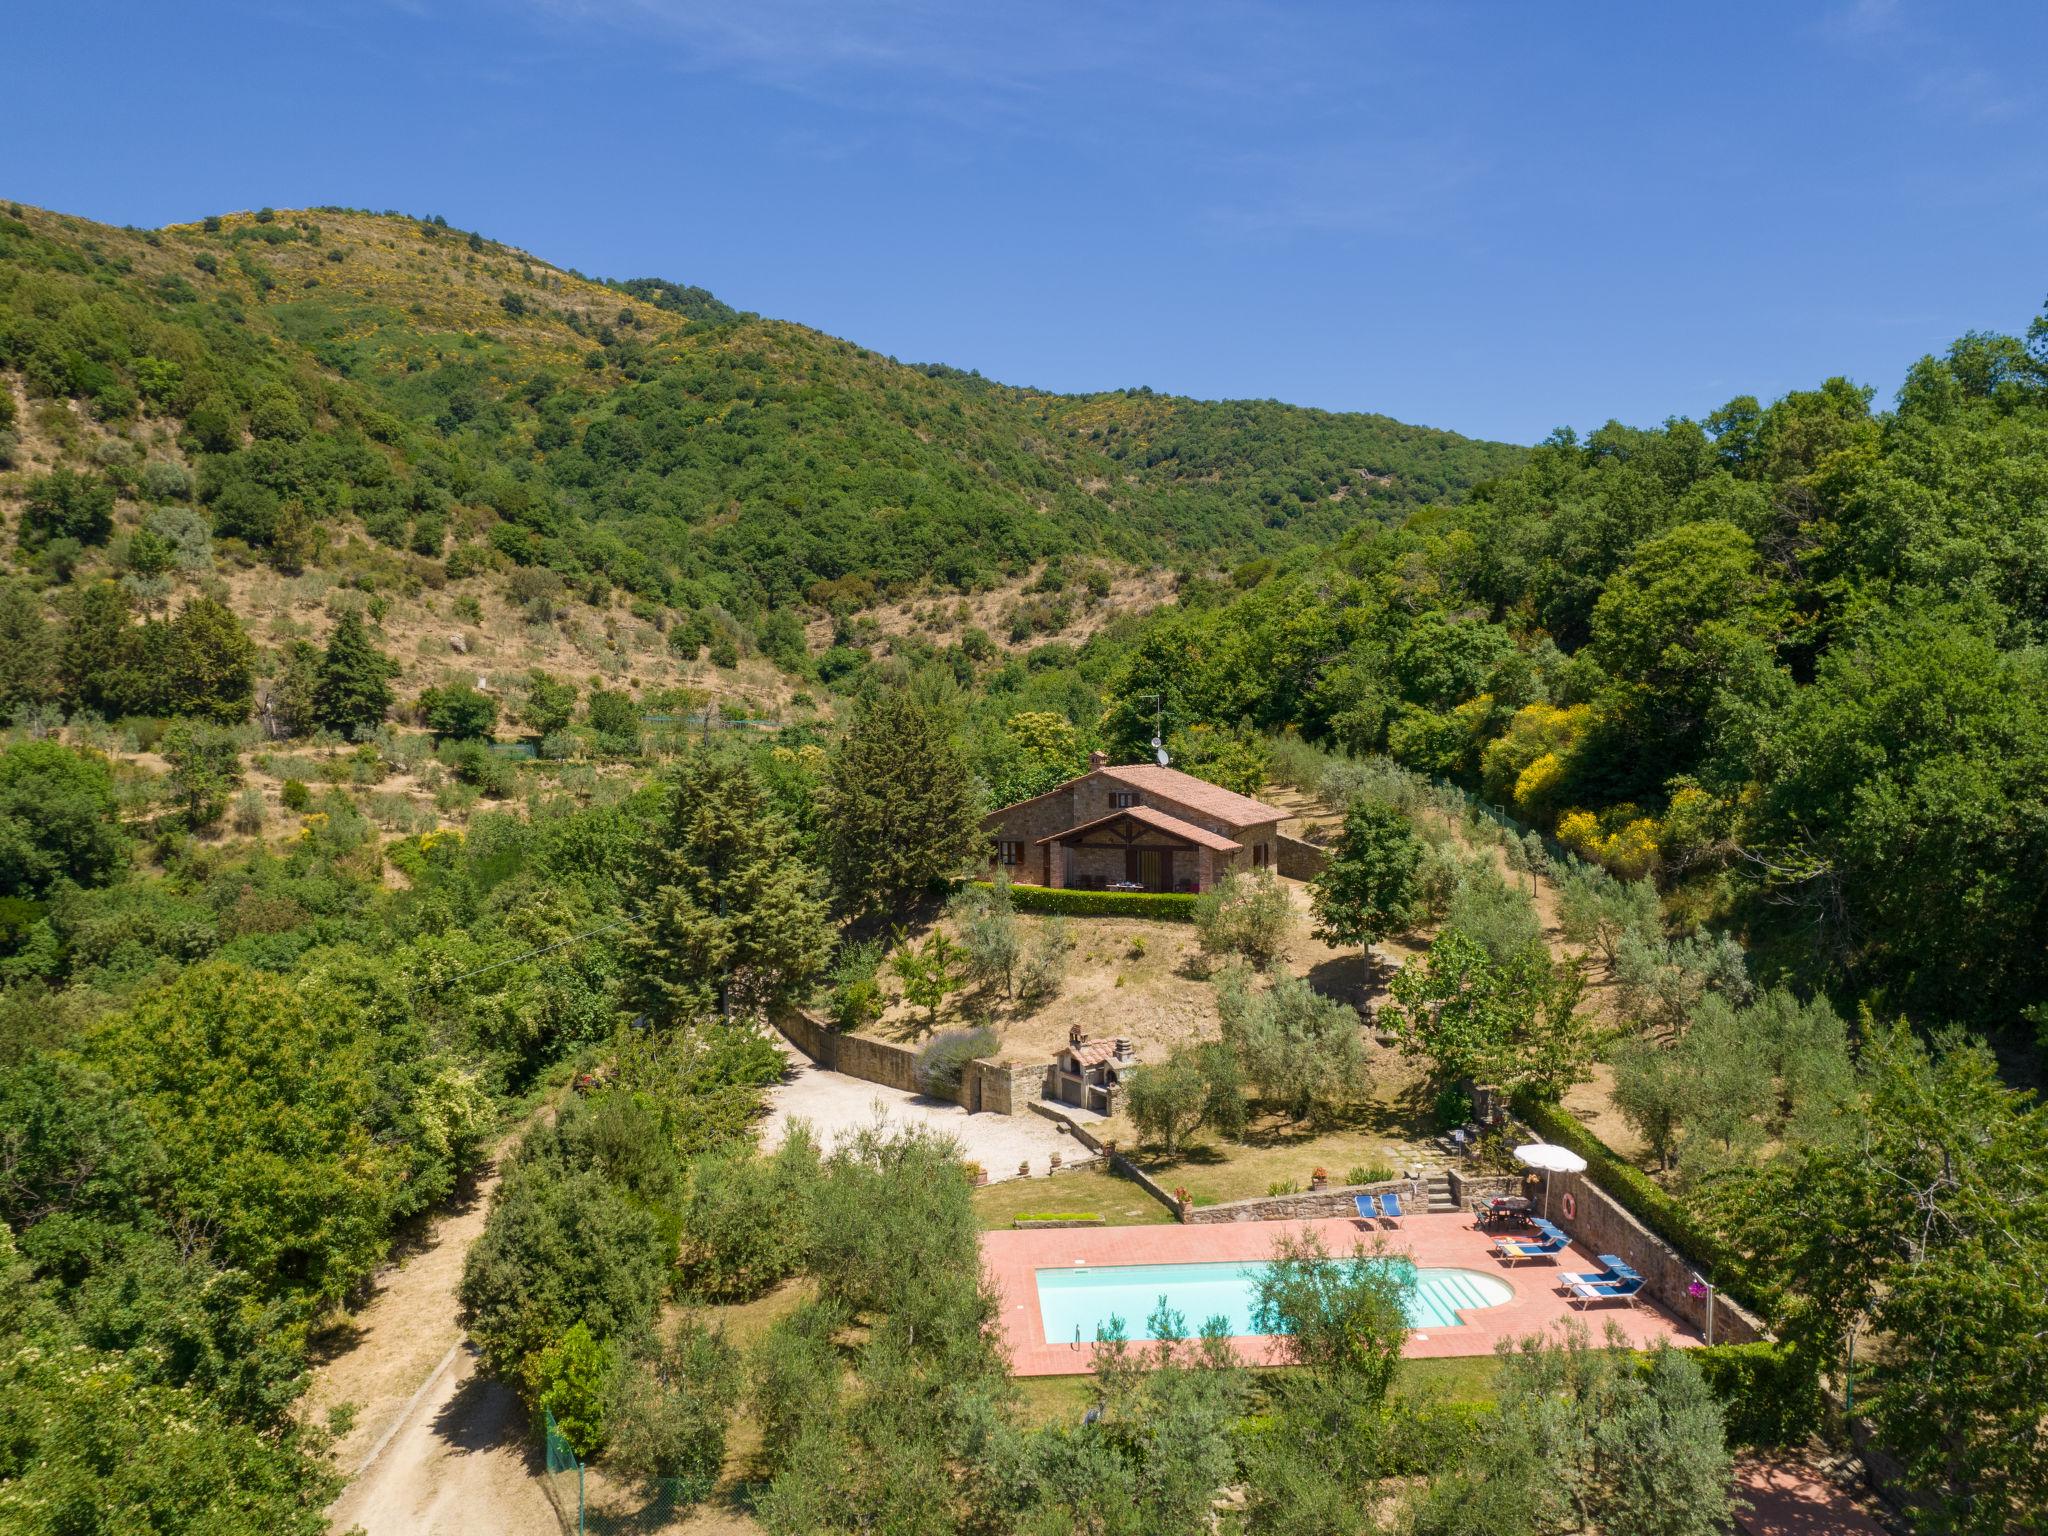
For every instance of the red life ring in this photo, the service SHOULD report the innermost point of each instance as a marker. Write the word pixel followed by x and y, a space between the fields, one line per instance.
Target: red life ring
pixel 1570 1206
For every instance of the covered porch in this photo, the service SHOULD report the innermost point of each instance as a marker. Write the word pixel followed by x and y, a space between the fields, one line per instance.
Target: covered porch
pixel 1135 849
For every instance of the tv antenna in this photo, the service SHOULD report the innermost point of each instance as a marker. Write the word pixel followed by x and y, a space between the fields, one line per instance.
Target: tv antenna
pixel 1159 729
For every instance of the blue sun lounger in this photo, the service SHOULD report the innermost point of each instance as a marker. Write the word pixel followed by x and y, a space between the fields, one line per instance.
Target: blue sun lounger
pixel 1620 1290
pixel 1385 1207
pixel 1612 1271
pixel 1514 1252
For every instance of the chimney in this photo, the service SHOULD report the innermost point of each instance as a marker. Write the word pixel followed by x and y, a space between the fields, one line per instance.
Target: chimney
pixel 1097 760
pixel 1123 1049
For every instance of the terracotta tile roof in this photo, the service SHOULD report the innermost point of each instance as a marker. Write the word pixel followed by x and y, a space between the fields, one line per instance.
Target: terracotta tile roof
pixel 1198 794
pixel 1092 1053
pixel 1153 817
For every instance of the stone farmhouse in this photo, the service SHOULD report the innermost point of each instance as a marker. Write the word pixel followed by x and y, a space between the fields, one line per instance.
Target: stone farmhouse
pixel 1135 827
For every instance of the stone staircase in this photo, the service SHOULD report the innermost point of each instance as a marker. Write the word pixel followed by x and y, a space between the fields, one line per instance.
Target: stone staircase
pixel 1436 1192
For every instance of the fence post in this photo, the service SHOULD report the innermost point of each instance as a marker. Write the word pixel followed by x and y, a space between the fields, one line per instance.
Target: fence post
pixel 579 1496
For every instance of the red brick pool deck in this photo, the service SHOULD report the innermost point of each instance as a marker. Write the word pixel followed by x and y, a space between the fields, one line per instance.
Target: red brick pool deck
pixel 1449 1241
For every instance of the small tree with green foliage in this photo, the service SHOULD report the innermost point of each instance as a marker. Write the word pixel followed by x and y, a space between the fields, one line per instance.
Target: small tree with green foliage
pixel 572 1379
pixel 206 769
pixel 457 712
pixel 1167 1101
pixel 549 705
pixel 1246 915
pixel 1367 891
pixel 1509 1026
pixel 928 974
pixel 991 940
pixel 64 504
pixel 1301 1050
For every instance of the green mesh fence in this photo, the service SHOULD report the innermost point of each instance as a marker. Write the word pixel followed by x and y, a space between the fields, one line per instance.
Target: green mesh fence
pixel 594 1504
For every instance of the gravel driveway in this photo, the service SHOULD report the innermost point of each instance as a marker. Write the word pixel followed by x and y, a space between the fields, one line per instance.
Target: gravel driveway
pixel 837 1105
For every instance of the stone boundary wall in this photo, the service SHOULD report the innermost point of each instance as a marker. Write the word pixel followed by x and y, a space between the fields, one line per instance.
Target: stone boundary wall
pixel 1298 859
pixel 872 1061
pixel 1600 1225
pixel 1318 1205
pixel 1000 1087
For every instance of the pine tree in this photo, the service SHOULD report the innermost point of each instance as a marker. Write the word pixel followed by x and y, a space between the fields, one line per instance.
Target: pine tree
pixel 209 664
pixel 899 805
pixel 355 680
pixel 731 915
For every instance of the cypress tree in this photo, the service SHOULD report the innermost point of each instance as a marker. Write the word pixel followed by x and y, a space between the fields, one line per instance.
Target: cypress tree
pixel 899 803
pixel 355 680
pixel 731 913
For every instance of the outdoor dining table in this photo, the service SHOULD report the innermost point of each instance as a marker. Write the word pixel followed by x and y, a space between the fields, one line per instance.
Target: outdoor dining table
pixel 1504 1210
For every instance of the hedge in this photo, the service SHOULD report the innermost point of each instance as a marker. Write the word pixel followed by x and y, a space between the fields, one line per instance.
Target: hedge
pixel 1161 906
pixel 1636 1193
pixel 1770 1393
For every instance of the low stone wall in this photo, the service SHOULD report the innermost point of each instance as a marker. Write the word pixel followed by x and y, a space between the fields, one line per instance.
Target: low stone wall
pixel 1037 1224
pixel 1319 1205
pixel 1469 1188
pixel 1297 859
pixel 1000 1087
pixel 1600 1225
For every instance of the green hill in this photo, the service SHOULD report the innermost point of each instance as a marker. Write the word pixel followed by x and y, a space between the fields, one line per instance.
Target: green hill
pixel 403 403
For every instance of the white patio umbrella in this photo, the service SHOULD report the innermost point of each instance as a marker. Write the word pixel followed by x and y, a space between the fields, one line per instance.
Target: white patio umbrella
pixel 1551 1158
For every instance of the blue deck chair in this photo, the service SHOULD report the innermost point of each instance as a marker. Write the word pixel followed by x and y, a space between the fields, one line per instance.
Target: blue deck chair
pixel 1390 1208
pixel 1512 1252
pixel 1621 1290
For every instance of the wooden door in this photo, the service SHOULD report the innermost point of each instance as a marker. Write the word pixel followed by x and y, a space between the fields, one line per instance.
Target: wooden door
pixel 1152 868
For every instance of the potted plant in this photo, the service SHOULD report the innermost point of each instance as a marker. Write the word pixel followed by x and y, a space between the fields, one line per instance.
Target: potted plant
pixel 976 1174
pixel 1318 1180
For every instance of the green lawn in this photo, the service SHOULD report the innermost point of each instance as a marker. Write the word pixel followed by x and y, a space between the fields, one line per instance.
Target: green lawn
pixel 1216 1171
pixel 1116 1200
pixel 1064 1399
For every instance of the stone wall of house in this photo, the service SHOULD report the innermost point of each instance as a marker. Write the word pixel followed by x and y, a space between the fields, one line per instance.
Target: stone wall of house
pixel 1299 860
pixel 1089 797
pixel 1317 1205
pixel 1600 1225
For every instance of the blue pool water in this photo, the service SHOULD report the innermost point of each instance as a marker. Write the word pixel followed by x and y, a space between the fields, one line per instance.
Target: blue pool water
pixel 1085 1297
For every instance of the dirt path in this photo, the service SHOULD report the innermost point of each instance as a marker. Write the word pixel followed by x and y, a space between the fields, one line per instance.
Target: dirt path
pixel 435 1449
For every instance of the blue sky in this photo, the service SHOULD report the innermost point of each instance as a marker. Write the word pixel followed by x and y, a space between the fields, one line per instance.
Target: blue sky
pixel 1495 217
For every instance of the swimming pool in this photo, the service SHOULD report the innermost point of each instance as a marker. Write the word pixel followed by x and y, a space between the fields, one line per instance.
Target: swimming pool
pixel 1074 1303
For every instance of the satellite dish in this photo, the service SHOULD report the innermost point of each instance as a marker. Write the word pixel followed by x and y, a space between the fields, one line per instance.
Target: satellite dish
pixel 1157 743
pixel 1161 755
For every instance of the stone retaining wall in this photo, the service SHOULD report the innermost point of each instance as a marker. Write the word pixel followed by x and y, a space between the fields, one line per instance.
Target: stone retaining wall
pixel 1336 1200
pixel 1298 859
pixel 1600 1225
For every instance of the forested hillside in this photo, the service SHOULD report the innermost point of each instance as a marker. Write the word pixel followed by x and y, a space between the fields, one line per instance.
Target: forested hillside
pixel 303 382
pixel 1788 659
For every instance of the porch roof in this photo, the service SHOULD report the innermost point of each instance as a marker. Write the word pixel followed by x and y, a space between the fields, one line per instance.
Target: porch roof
pixel 1159 821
